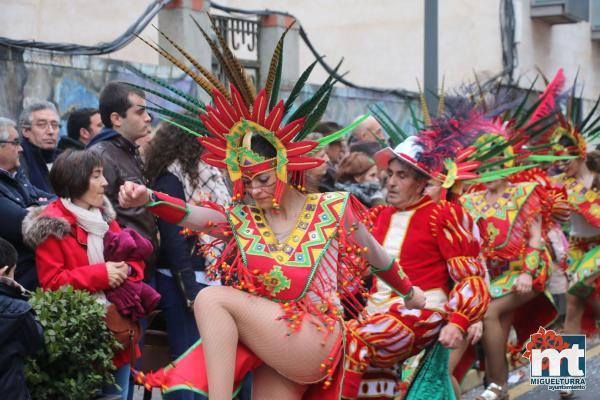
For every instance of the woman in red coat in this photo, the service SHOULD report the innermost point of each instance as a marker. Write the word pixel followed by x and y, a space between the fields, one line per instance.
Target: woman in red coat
pixel 68 237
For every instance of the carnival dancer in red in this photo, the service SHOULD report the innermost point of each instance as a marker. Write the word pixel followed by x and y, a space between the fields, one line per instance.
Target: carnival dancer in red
pixel 580 178
pixel 511 223
pixel 289 257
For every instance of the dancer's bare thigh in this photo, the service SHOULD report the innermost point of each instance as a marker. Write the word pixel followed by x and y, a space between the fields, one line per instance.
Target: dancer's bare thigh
pixel 268 384
pixel 296 355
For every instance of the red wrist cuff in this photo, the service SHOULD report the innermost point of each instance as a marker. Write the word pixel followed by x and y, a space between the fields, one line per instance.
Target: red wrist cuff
pixel 395 277
pixel 459 320
pixel 171 209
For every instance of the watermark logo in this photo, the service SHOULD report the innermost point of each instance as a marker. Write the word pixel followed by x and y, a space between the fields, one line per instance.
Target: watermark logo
pixel 557 361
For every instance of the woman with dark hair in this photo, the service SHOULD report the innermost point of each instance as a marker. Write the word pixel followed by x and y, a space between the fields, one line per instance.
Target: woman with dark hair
pixel 357 174
pixel 74 236
pixel 179 172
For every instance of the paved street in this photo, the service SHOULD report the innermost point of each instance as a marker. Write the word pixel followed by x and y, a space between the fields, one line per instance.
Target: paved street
pixel 523 391
pixel 520 390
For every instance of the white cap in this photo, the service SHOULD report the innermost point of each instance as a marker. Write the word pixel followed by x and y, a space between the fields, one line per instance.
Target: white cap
pixel 408 151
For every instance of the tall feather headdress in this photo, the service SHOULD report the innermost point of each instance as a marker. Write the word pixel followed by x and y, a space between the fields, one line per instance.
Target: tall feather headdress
pixel 225 128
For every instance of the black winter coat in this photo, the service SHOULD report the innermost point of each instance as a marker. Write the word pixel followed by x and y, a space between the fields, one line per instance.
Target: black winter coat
pixel 16 195
pixel 20 335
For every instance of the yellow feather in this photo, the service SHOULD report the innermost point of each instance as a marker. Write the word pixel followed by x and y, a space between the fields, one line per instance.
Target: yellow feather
pixel 274 62
pixel 234 66
pixel 441 102
pixel 209 75
pixel 221 59
pixel 424 108
pixel 206 85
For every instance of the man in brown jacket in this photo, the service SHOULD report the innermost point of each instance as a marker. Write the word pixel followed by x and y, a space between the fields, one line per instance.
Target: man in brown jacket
pixel 125 119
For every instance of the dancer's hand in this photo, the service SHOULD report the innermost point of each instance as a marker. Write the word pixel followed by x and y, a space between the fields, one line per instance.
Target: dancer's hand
pixel 417 300
pixel 451 336
pixel 523 283
pixel 133 195
pixel 474 332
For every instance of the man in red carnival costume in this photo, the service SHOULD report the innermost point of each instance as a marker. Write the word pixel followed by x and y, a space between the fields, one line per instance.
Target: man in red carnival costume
pixel 435 245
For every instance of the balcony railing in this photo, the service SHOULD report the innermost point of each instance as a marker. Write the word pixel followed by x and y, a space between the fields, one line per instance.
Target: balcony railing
pixel 242 36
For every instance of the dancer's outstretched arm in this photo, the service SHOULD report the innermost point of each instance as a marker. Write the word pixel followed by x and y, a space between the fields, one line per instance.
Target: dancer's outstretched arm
pixel 169 208
pixel 388 269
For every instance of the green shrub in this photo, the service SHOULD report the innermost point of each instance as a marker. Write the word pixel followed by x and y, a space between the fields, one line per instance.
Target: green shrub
pixel 77 359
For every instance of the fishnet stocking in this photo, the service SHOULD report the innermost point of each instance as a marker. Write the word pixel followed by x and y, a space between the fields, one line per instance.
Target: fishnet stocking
pixel 574 314
pixel 268 384
pixel 495 334
pixel 225 315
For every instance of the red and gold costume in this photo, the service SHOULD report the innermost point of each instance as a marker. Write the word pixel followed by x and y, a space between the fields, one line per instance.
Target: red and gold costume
pixel 319 263
pixel 435 245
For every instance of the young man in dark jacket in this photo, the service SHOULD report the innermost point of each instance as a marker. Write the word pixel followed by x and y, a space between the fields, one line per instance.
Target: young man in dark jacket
pixel 83 124
pixel 125 119
pixel 20 333
pixel 17 194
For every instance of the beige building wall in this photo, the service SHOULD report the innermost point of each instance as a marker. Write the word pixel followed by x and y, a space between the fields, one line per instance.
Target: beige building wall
pixel 549 47
pixel 86 22
pixel 381 40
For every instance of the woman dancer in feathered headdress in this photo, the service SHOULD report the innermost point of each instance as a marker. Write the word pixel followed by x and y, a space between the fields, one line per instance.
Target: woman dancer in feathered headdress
pixel 290 258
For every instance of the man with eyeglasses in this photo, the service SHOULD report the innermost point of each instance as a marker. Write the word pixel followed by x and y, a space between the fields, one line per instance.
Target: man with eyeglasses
pixel 39 124
pixel 17 194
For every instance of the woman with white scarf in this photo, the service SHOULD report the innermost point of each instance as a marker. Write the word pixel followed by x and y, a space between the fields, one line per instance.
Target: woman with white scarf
pixel 68 237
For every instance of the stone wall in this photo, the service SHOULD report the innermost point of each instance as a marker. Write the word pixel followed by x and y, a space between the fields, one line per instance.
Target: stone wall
pixel 73 82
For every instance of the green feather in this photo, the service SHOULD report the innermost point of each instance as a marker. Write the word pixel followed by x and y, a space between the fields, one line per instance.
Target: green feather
pixel 388 129
pixel 535 130
pixel 298 86
pixel 524 101
pixel 497 162
pixel 590 114
pixel 594 135
pixel 274 77
pixel 572 112
pixel 189 107
pixel 394 131
pixel 192 122
pixel 415 121
pixel 332 137
pixel 592 126
pixel 499 174
pixel 186 129
pixel 170 88
pixel 314 118
pixel 528 113
pixel 311 103
pixel 534 149
pixel 546 158
pixel 481 147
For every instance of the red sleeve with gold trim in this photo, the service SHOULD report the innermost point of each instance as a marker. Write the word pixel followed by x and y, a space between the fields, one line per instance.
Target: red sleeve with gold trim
pixel 469 299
